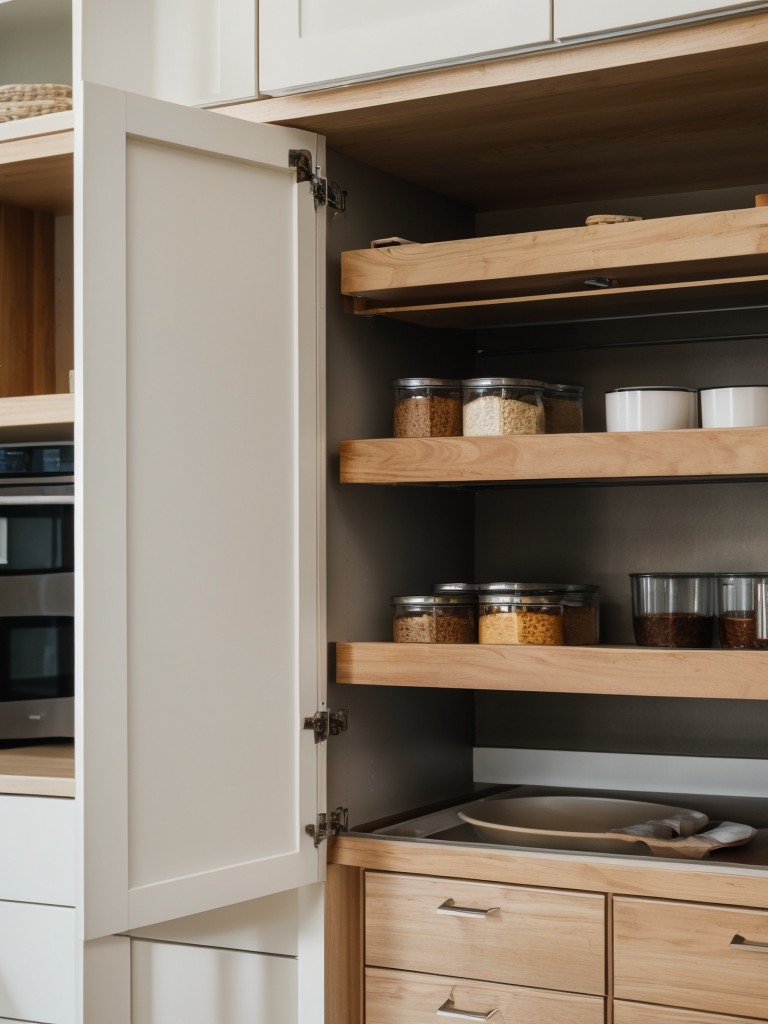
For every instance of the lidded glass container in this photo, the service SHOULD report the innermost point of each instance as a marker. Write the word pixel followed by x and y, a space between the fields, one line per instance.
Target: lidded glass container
pixel 444 618
pixel 455 613
pixel 495 406
pixel 741 605
pixel 581 613
pixel 672 609
pixel 427 407
pixel 563 408
pixel 413 620
pixel 518 613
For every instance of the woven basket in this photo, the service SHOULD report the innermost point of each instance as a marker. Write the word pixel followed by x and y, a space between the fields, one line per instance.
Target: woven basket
pixel 20 101
pixel 34 91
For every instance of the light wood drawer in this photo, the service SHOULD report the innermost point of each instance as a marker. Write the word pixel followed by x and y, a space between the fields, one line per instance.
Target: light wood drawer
pixel 642 1013
pixel 37 963
pixel 37 855
pixel 399 997
pixel 536 937
pixel 692 955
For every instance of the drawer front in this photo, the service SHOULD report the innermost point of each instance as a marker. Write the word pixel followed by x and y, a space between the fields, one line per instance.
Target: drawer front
pixel 37 963
pixel 640 1013
pixel 517 935
pixel 690 955
pixel 37 856
pixel 399 997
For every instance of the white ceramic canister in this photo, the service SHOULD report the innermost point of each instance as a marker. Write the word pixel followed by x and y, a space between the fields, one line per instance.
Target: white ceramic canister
pixel 651 408
pixel 741 406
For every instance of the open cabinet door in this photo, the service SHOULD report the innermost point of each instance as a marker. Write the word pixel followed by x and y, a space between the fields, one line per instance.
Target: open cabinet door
pixel 198 510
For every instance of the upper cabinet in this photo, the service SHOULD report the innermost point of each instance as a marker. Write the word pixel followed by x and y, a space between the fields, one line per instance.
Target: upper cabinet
pixel 306 43
pixel 587 17
pixel 193 52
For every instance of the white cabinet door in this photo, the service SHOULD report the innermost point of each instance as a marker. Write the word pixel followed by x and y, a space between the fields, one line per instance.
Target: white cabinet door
pixel 187 51
pixel 307 42
pixel 585 17
pixel 198 412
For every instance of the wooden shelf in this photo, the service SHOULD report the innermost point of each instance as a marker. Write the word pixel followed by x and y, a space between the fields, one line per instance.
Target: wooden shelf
pixel 737 452
pixel 587 304
pixel 627 671
pixel 652 113
pixel 36 163
pixel 38 770
pixel 661 251
pixel 37 418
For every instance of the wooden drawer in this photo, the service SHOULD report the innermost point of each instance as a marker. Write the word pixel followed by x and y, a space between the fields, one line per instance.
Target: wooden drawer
pixel 399 997
pixel 536 937
pixel 642 1013
pixel 37 963
pixel 37 856
pixel 692 955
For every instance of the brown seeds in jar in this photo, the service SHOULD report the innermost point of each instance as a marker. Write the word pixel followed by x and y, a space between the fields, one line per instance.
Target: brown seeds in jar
pixel 414 629
pixel 428 416
pixel 522 626
pixel 455 626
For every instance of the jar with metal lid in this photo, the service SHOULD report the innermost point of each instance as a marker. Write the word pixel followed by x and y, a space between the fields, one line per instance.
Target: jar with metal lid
pixel 581 613
pixel 740 606
pixel 427 407
pixel 456 613
pixel 672 609
pixel 509 614
pixel 495 406
pixel 563 408
pixel 413 621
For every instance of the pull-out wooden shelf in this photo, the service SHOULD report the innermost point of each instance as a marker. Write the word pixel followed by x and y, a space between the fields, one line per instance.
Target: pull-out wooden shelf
pixel 663 250
pixel 37 418
pixel 629 671
pixel 45 770
pixel 36 162
pixel 642 455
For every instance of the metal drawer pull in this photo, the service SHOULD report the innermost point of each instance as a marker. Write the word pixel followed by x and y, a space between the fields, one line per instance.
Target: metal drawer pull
pixel 447 1010
pixel 449 907
pixel 739 942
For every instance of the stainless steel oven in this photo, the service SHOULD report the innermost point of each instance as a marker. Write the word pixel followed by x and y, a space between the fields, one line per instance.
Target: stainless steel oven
pixel 36 591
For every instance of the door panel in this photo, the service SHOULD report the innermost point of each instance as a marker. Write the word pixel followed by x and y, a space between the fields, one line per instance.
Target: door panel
pixel 306 42
pixel 197 516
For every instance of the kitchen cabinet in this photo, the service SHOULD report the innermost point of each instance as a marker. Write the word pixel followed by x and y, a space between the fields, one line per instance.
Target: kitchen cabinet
pixel 303 45
pixel 574 18
pixel 185 743
pixel 186 53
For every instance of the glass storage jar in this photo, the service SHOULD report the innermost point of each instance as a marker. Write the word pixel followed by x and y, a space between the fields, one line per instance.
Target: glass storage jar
pixel 508 614
pixel 494 406
pixel 672 609
pixel 455 613
pixel 740 606
pixel 581 614
pixel 427 407
pixel 413 620
pixel 563 408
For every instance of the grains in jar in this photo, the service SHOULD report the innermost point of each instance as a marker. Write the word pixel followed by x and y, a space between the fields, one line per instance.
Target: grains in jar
pixel 563 408
pixel 413 621
pixel 496 406
pixel 456 613
pixel 516 618
pixel 427 407
pixel 740 601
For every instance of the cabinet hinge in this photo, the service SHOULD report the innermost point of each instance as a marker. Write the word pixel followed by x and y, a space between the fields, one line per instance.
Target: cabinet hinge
pixel 326 193
pixel 327 723
pixel 328 826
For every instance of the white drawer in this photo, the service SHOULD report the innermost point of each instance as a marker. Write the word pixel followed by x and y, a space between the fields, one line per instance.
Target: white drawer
pixel 37 855
pixel 171 984
pixel 37 963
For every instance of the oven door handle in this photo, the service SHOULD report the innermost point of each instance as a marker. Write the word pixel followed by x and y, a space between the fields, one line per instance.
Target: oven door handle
pixel 36 499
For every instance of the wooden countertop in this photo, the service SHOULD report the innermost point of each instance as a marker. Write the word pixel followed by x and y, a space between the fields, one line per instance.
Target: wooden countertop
pixel 45 770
